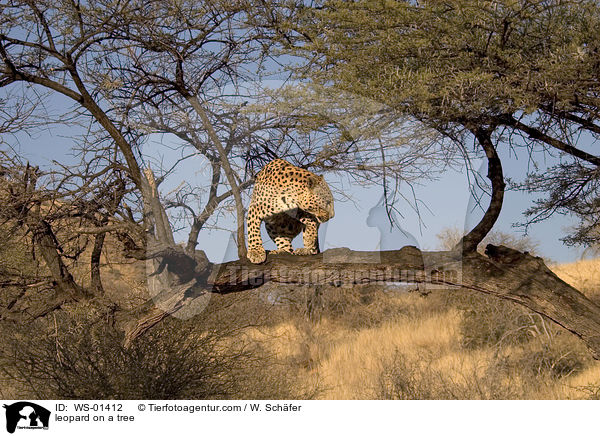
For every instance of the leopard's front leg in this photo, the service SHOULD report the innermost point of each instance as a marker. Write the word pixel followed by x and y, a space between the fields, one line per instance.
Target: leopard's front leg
pixel 256 251
pixel 310 237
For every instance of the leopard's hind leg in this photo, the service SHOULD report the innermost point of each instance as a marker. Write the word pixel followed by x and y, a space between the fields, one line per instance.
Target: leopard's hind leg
pixel 282 229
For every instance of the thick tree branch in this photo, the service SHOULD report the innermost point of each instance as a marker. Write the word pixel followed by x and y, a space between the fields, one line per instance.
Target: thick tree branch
pixel 583 122
pixel 504 273
pixel 560 145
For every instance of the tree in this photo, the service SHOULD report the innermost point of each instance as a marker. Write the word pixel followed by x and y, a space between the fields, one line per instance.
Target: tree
pixel 506 73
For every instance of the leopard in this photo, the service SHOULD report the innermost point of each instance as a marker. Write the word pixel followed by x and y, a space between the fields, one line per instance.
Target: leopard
pixel 289 200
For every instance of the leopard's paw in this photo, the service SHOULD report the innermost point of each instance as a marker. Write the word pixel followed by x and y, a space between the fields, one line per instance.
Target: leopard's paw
pixel 256 255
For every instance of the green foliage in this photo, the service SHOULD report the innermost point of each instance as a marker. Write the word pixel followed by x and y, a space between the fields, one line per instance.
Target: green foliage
pixel 526 71
pixel 461 60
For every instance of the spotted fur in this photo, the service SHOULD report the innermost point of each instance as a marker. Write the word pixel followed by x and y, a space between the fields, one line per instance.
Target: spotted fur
pixel 289 200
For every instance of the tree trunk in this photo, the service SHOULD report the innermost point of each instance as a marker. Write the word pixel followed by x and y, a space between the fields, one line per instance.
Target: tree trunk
pixel 47 245
pixel 155 212
pixel 469 243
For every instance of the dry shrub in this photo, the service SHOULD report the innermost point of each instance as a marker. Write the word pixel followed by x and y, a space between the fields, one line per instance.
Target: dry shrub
pixel 554 359
pixel 590 392
pixel 16 258
pixel 514 374
pixel 492 321
pixel 358 307
pixel 17 265
pixel 422 377
pixel 489 321
pixel 538 346
pixel 502 351
pixel 81 358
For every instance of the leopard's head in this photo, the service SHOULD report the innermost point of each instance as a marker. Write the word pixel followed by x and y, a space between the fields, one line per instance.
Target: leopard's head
pixel 317 200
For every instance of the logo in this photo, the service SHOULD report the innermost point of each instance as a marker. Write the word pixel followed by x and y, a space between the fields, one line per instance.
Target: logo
pixel 26 415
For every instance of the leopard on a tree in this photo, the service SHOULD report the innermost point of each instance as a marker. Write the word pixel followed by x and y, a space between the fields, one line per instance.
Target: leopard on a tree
pixel 289 200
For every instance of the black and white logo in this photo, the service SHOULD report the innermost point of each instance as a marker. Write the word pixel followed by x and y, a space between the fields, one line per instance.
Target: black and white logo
pixel 26 415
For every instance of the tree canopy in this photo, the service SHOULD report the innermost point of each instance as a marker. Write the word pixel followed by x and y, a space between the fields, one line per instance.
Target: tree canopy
pixel 524 73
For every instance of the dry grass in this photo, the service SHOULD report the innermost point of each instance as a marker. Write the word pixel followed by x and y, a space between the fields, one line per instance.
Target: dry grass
pixel 424 357
pixel 421 352
pixel 352 369
pixel 369 343
pixel 583 275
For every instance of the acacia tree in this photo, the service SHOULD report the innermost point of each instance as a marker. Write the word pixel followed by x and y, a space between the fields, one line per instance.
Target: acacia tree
pixel 361 47
pixel 505 73
pixel 176 55
pixel 98 52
